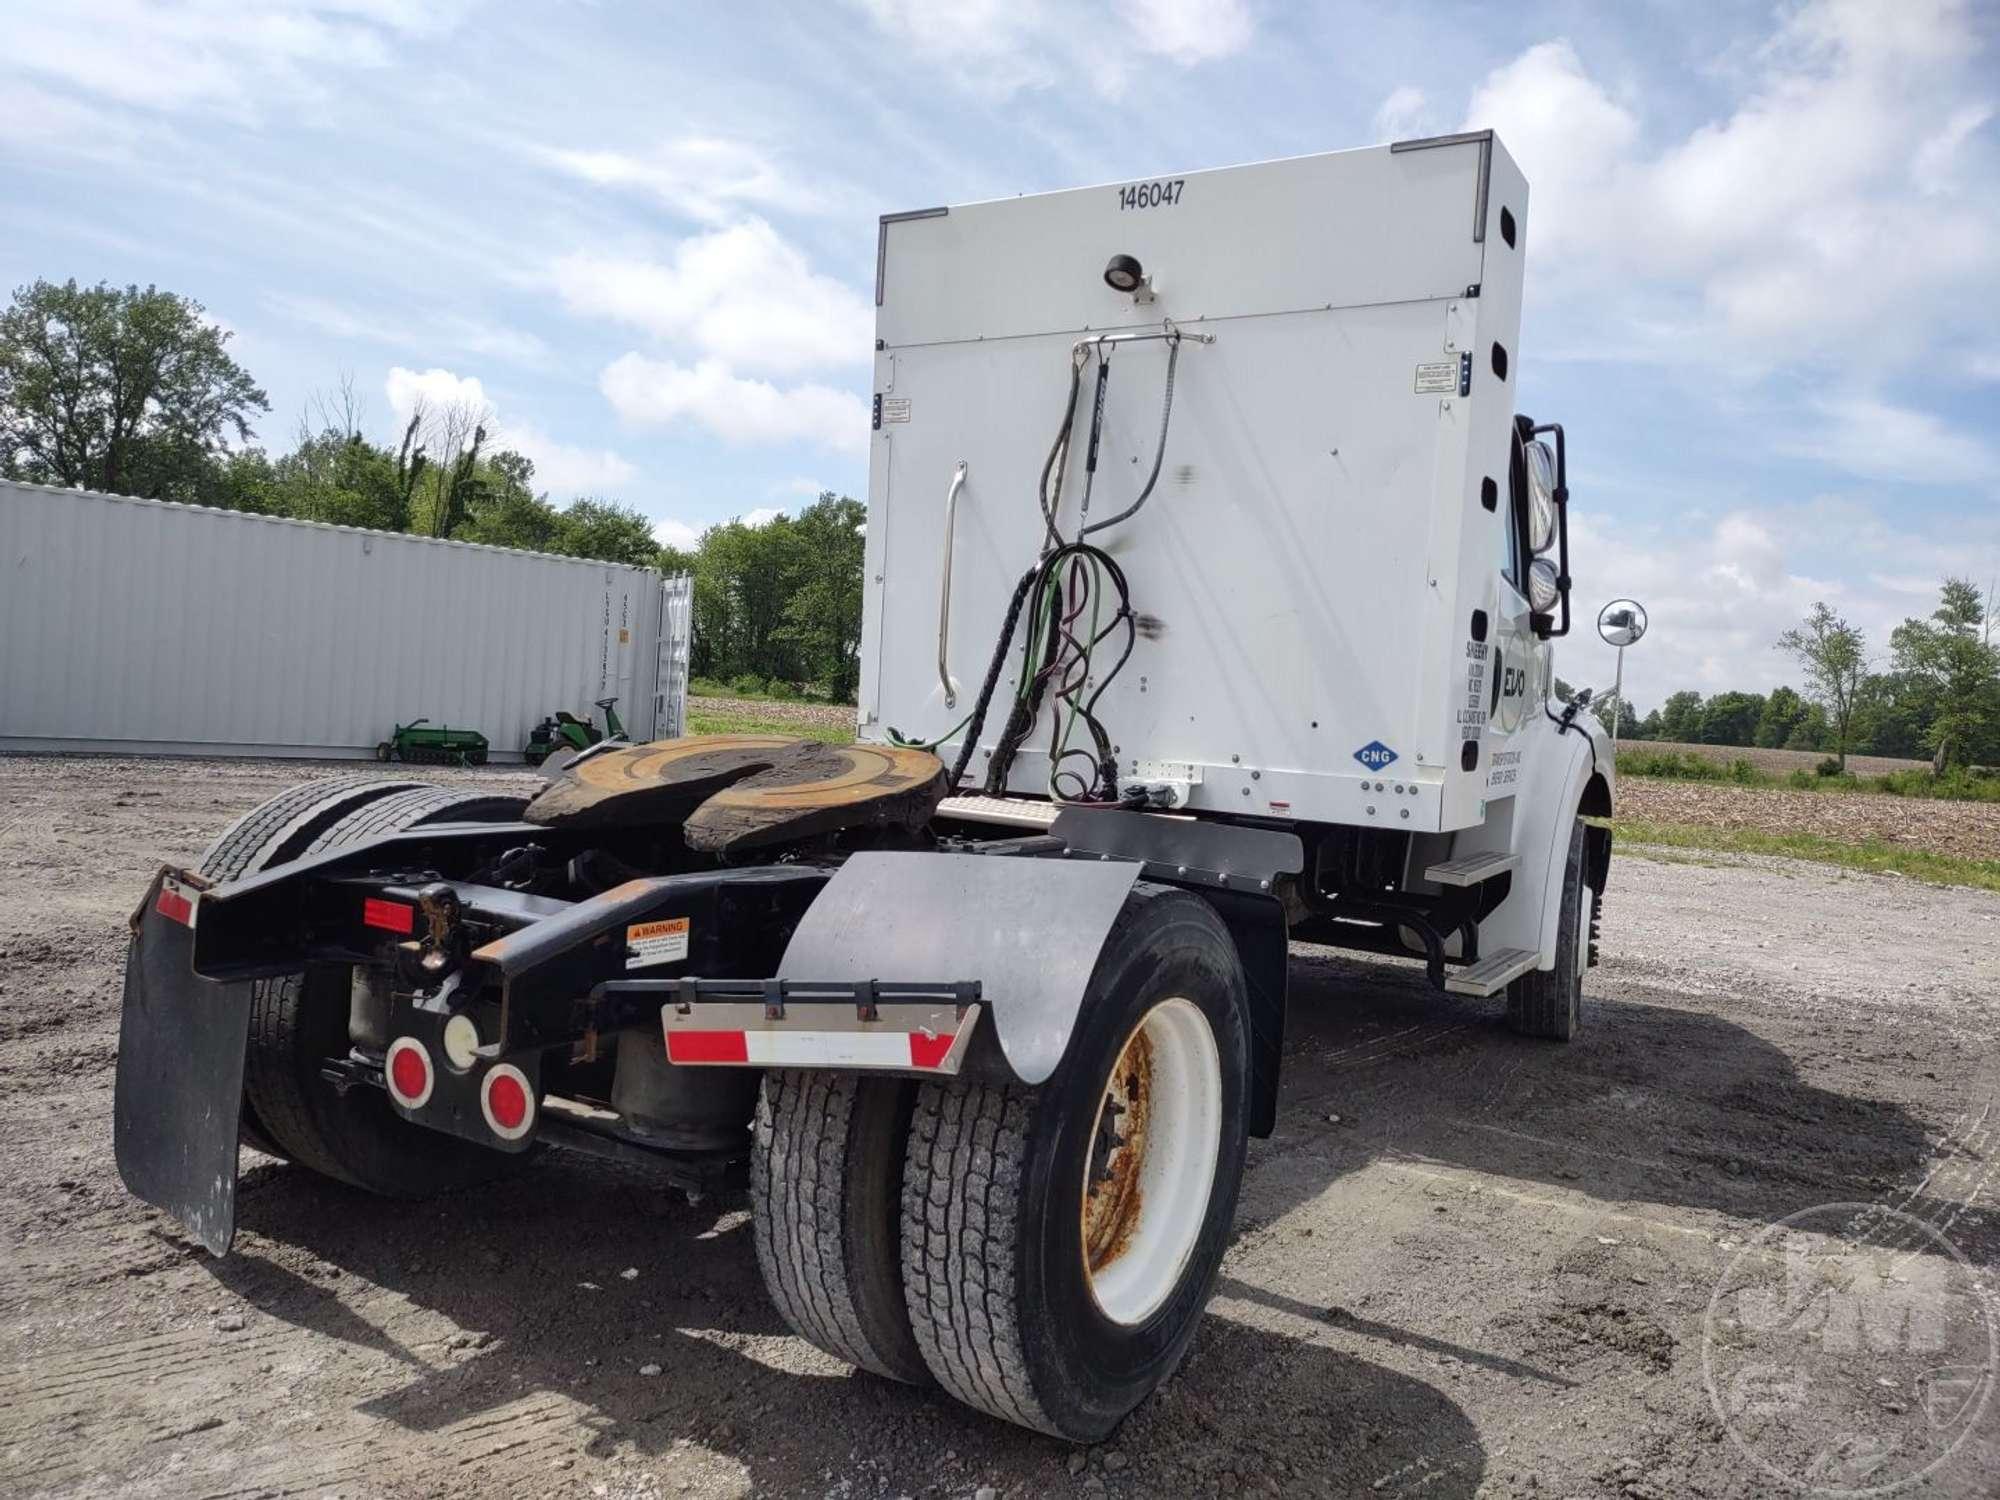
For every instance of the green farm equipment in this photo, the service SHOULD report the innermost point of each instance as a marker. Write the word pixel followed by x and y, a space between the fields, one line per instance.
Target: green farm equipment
pixel 442 746
pixel 563 730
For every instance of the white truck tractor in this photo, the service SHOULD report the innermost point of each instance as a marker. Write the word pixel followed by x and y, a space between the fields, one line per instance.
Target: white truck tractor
pixel 1211 577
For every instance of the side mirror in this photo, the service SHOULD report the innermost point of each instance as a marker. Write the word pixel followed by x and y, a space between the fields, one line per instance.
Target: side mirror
pixel 1548 526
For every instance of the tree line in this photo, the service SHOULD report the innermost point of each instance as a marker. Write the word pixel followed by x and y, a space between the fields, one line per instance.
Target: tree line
pixel 133 391
pixel 1935 696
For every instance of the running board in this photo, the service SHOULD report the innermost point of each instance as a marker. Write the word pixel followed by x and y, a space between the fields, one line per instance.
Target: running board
pixel 1471 869
pixel 1491 974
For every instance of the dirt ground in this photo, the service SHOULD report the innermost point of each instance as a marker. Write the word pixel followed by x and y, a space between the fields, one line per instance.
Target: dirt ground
pixel 1467 1264
pixel 1969 830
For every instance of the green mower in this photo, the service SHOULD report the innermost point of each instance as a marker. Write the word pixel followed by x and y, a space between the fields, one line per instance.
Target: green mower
pixel 442 746
pixel 563 730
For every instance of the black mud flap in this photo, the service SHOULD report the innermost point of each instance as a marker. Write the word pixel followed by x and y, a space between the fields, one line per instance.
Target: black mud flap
pixel 180 1070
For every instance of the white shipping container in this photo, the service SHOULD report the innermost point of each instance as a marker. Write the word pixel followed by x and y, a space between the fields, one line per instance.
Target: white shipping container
pixel 145 626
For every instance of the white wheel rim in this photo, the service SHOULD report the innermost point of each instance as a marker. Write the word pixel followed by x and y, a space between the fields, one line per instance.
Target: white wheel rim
pixel 1152 1161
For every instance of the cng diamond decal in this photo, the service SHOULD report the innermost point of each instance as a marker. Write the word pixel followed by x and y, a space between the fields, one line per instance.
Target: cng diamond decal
pixel 1375 755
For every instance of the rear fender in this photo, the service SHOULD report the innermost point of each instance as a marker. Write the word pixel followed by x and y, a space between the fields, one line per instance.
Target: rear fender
pixel 1029 930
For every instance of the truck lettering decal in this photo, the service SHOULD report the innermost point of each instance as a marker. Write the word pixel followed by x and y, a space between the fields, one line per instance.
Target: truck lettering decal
pixel 1375 755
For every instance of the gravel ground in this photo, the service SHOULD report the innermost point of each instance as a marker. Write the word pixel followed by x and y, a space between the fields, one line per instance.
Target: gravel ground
pixel 1970 830
pixel 1467 1264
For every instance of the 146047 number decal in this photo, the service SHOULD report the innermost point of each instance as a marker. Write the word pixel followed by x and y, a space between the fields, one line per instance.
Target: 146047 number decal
pixel 1151 194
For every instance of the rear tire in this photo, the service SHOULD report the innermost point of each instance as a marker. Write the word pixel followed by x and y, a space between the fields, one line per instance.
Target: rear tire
pixel 826 1181
pixel 1025 1303
pixel 299 1020
pixel 1548 1003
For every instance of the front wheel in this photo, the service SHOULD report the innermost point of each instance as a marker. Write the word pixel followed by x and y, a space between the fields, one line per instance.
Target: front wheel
pixel 1549 1002
pixel 1060 1242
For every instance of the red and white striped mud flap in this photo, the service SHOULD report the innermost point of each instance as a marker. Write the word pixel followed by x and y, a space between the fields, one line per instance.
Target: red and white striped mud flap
pixel 920 1037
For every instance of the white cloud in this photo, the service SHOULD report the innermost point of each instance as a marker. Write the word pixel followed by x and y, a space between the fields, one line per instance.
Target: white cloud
pixel 1865 436
pixel 738 410
pixel 1842 208
pixel 562 469
pixel 417 334
pixel 219 56
pixel 1403 116
pixel 742 294
pixel 1720 589
pixel 1566 133
pixel 703 177
pixel 763 515
pixel 1000 46
pixel 805 489
pixel 434 388
pixel 1189 31
pixel 676 534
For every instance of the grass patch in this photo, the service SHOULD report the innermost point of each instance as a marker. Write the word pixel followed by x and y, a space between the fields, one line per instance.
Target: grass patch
pixel 1957 785
pixel 758 689
pixel 750 723
pixel 1870 855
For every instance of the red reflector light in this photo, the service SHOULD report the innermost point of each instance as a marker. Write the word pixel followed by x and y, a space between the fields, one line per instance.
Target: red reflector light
pixel 390 916
pixel 174 906
pixel 707 1047
pixel 407 1071
pixel 508 1101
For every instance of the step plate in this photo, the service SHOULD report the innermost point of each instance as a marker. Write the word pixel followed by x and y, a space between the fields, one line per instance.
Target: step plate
pixel 1008 812
pixel 1491 974
pixel 1470 869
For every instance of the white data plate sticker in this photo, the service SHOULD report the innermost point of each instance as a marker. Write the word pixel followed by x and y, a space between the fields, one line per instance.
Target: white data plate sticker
pixel 895 409
pixel 1440 379
pixel 650 943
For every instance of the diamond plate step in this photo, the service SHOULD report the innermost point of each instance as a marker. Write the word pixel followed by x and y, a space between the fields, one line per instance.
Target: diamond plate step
pixel 1008 812
pixel 1491 974
pixel 1470 869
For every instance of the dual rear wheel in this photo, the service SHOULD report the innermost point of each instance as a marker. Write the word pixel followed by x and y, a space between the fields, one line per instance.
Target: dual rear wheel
pixel 1043 1254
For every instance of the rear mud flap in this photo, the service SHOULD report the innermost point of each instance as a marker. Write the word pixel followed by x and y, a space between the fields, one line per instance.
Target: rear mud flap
pixel 180 1072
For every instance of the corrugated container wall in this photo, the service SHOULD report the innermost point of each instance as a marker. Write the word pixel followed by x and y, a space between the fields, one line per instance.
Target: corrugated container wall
pixel 146 626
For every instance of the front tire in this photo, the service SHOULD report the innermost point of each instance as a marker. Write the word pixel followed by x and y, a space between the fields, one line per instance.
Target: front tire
pixel 1548 1003
pixel 1060 1242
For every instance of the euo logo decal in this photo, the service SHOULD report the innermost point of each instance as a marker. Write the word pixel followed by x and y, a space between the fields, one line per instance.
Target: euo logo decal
pixel 1375 755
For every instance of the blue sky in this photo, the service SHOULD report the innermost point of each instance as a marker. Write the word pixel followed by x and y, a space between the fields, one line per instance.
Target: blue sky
pixel 1765 256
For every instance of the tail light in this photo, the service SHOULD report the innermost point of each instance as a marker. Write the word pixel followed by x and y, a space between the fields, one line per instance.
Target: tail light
pixel 407 1070
pixel 507 1100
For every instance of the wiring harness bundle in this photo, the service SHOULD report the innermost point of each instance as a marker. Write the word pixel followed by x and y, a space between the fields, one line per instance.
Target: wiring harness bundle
pixel 1076 597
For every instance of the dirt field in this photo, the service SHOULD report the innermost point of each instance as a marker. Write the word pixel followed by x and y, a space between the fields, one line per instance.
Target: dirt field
pixel 1970 830
pixel 1466 1265
pixel 1779 762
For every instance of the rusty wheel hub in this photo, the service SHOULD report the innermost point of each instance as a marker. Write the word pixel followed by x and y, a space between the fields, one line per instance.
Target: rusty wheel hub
pixel 1151 1166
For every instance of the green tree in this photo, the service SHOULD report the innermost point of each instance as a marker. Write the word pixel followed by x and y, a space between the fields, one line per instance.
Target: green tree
pixel 1783 712
pixel 127 391
pixel 1953 655
pixel 1680 717
pixel 823 612
pixel 1731 718
pixel 607 530
pixel 1834 655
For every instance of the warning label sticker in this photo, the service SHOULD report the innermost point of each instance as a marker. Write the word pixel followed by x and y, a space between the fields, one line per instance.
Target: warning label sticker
pixel 1440 379
pixel 650 943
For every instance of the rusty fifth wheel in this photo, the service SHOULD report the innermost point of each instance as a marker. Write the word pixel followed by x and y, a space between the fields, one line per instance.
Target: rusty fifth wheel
pixel 1059 1242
